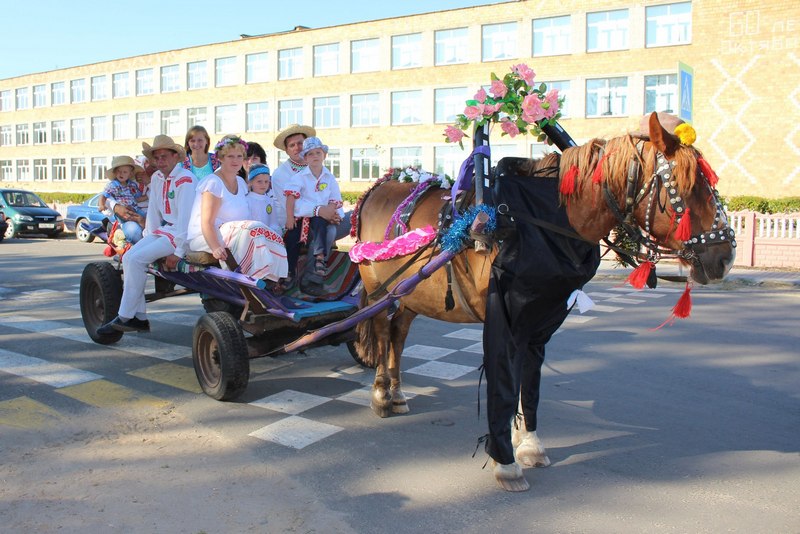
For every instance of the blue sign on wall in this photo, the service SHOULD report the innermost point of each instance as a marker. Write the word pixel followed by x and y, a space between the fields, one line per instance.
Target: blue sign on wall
pixel 685 91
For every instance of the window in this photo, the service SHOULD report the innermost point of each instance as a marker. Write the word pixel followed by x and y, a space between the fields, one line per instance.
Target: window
pixel 257 117
pixel 365 55
pixel 364 164
pixel 6 171
pixel 447 160
pixel 289 112
pixel 59 169
pixel 171 123
pixel 669 24
pixel 39 96
pixel 447 103
pixel 225 119
pixel 364 110
pixel 121 126
pixel 256 67
pixel 170 79
pixel 406 107
pixel 99 88
pixel 6 104
pixel 98 169
pixel 333 161
pixel 607 30
pixel 39 169
pixel 144 82
pixel 23 134
pixel 196 116
pixel 406 156
pixel 120 85
pixel 661 93
pixel 290 64
pixel 225 71
pixel 451 46
pixel 499 41
pixel 607 97
pixel 58 93
pixel 326 59
pixel 78 169
pixel 563 87
pixel 77 91
pixel 326 112
pixel 99 128
pixel 58 132
pixel 197 75
pixel 22 98
pixel 145 124
pixel 6 136
pixel 552 36
pixel 39 133
pixel 406 51
pixel 24 170
pixel 78 130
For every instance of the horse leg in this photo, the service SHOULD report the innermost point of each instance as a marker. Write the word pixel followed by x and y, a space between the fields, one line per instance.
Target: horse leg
pixel 399 327
pixel 529 450
pixel 381 401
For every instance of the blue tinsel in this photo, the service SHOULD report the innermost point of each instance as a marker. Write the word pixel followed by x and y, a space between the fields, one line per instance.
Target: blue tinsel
pixel 458 232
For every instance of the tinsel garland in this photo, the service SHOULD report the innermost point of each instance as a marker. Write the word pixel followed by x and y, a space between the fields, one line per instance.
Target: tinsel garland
pixel 458 232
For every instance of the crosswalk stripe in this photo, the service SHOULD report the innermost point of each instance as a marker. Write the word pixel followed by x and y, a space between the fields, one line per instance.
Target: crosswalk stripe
pixel 622 300
pixel 606 309
pixel 135 344
pixel 105 394
pixel 24 412
pixel 170 374
pixel 43 371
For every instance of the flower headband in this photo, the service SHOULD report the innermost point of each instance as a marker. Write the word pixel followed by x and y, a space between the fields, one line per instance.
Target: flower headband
pixel 230 140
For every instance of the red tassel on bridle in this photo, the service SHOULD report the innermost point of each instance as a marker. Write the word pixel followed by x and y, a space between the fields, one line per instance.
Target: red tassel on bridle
pixel 684 230
pixel 597 175
pixel 567 186
pixel 708 172
pixel 682 308
pixel 638 278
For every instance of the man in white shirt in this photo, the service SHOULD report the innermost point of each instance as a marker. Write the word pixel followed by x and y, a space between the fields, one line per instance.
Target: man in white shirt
pixel 172 191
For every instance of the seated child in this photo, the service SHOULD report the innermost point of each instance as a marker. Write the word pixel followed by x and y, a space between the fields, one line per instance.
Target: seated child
pixel 261 198
pixel 321 200
pixel 122 190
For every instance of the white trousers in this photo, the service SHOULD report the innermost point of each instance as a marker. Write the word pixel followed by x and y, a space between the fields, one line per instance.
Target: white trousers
pixel 134 267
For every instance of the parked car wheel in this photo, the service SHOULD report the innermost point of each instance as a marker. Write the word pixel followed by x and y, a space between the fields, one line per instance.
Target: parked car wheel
pixel 82 233
pixel 11 231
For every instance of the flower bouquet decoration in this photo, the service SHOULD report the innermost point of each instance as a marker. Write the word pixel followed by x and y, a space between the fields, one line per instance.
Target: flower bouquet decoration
pixel 417 175
pixel 514 102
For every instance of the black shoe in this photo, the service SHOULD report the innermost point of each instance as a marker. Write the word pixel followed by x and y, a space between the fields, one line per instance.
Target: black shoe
pixel 121 325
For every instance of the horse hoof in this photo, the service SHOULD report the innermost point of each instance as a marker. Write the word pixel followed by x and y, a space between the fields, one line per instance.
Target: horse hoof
pixel 399 401
pixel 400 407
pixel 529 451
pixel 510 477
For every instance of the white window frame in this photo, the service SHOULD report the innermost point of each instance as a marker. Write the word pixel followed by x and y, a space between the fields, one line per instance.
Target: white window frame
pixel 145 124
pixel 225 119
pixel 451 46
pixel 661 89
pixel 120 85
pixel 365 110
pixel 194 116
pixel 145 82
pixel 99 89
pixel 77 169
pixel 58 132
pixel 99 128
pixel 447 159
pixel 23 134
pixel 59 168
pixel 499 41
pixel 364 159
pixel 564 90
pixel 40 133
pixel 257 117
pixel 449 102
pixel 610 97
pixel 327 112
pixel 552 36
pixel 77 91
pixel 170 121
pixel 6 170
pixel 77 130
pixel 170 78
pixel 24 170
pixel 256 67
pixel 6 135
pixel 406 51
pixel 225 71
pixel 326 59
pixel 58 93
pixel 6 100
pixel 365 55
pixel 40 95
pixel 22 98
pixel 290 112
pixel 405 107
pixel 40 170
pixel 196 75
pixel 668 25
pixel 99 166
pixel 406 156
pixel 290 63
pixel 607 30
pixel 333 161
pixel 121 126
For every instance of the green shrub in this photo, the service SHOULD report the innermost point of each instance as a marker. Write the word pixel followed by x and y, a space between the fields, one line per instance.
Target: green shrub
pixel 351 197
pixel 763 205
pixel 62 197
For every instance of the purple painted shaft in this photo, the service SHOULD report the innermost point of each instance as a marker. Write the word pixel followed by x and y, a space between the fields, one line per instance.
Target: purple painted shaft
pixel 403 288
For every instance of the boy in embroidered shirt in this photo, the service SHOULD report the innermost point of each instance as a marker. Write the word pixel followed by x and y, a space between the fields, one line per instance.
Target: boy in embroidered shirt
pixel 261 198
pixel 320 200
pixel 123 190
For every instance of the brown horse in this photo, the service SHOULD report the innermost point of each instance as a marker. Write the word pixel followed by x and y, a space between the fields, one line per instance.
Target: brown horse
pixel 382 338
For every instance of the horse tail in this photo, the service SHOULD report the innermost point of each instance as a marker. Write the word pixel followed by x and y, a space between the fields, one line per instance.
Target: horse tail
pixel 365 344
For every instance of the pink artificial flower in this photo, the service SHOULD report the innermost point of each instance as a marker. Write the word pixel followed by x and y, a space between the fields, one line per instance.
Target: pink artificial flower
pixel 532 110
pixel 524 72
pixel 509 127
pixel 552 100
pixel 491 109
pixel 480 96
pixel 454 135
pixel 473 112
pixel 499 89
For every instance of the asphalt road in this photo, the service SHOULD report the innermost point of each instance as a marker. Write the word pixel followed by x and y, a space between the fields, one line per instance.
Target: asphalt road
pixel 690 428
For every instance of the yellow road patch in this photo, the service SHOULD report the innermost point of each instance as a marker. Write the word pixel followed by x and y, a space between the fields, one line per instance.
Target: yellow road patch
pixel 105 394
pixel 170 374
pixel 24 412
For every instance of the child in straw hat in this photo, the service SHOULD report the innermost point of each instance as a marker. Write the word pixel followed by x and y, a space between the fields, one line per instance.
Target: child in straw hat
pixel 123 190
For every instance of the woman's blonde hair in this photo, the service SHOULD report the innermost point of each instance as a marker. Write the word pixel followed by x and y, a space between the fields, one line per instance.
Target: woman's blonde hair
pixel 194 130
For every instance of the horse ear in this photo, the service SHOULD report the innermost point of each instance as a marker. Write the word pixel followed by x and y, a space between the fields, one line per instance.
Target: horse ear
pixel 661 138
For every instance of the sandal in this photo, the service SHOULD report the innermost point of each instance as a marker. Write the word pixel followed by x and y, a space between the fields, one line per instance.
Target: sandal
pixel 320 267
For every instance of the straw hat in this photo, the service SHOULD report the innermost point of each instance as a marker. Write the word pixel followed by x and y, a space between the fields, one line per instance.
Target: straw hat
pixel 120 161
pixel 667 120
pixel 310 144
pixel 163 142
pixel 280 139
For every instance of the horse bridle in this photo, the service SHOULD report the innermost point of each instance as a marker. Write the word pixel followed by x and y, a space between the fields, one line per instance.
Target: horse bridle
pixel 662 176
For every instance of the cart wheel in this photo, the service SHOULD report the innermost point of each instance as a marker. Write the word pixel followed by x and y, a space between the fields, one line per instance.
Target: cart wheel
pixel 351 347
pixel 219 354
pixel 100 294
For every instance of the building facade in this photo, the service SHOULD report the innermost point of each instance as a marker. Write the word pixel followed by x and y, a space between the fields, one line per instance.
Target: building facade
pixel 380 93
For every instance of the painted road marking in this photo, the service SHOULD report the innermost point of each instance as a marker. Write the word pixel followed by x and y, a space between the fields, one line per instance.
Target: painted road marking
pixel 441 370
pixel 24 412
pixel 170 374
pixel 295 432
pixel 606 309
pixel 469 334
pixel 105 394
pixel 622 300
pixel 290 402
pixel 43 371
pixel 426 352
